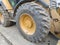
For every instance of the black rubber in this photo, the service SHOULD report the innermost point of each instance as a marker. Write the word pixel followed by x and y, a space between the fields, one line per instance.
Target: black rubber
pixel 42 20
pixel 6 22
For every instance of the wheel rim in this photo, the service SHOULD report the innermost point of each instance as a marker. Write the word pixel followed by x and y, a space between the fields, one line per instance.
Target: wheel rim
pixel 27 24
pixel 1 18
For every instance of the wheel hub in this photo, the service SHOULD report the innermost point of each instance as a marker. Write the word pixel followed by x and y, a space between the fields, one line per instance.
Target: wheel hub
pixel 1 18
pixel 27 24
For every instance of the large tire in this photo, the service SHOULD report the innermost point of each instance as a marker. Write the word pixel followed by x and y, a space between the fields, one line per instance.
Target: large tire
pixel 5 19
pixel 41 18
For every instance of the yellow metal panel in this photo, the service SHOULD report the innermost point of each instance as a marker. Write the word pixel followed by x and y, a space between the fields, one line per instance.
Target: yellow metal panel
pixel 58 10
pixel 56 24
pixel 55 15
pixel 7 4
pixel 47 1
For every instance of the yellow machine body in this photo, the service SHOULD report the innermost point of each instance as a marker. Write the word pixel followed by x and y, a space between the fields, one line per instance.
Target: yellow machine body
pixel 7 4
pixel 55 20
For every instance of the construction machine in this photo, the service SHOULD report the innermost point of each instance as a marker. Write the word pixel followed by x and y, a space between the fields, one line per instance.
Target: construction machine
pixel 34 18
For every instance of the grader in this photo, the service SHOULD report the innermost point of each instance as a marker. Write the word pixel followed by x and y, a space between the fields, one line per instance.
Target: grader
pixel 34 18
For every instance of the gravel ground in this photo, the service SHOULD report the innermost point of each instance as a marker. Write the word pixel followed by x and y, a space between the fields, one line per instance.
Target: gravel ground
pixel 4 40
pixel 11 36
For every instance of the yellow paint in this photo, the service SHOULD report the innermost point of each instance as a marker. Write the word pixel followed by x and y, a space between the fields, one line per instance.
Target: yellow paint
pixel 47 1
pixel 58 42
pixel 27 24
pixel 55 27
pixel 7 4
pixel 1 18
pixel 58 10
